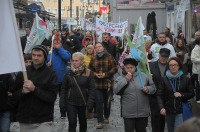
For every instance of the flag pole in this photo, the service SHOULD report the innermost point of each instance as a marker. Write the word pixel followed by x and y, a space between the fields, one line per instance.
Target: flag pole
pixel 93 37
pixel 52 39
pixel 147 63
pixel 19 43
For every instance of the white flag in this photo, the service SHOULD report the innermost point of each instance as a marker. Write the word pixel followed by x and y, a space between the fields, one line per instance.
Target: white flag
pixel 183 7
pixel 11 57
pixel 37 34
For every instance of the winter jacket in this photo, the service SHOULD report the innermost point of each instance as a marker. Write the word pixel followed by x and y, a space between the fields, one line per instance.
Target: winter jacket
pixel 134 103
pixel 37 106
pixel 157 78
pixel 5 81
pixel 195 58
pixel 165 94
pixel 59 62
pixel 106 64
pixel 110 48
pixel 70 92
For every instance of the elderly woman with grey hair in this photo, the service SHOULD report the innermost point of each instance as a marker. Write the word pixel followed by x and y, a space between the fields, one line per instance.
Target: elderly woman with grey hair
pixel 77 93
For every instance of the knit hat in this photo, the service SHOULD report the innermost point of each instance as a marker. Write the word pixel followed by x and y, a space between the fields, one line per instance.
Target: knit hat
pixel 130 61
pixel 43 49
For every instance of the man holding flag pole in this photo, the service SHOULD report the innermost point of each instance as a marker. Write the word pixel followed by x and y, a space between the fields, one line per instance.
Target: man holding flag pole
pixel 37 93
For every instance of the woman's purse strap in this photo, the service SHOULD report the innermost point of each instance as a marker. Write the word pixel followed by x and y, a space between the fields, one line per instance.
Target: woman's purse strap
pixel 79 90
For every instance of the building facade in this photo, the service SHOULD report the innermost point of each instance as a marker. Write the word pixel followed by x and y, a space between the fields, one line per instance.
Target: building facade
pixel 191 22
pixel 80 8
pixel 131 10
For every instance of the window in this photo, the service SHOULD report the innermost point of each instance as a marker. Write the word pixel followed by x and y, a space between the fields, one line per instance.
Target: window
pixel 55 11
pixel 195 18
pixel 81 0
pixel 72 1
pixel 72 11
pixel 62 11
pixel 48 10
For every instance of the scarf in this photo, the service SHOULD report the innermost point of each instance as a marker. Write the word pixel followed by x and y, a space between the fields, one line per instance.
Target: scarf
pixel 173 79
pixel 78 71
pixel 100 55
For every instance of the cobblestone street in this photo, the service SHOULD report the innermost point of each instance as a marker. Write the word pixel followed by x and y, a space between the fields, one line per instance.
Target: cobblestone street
pixel 115 125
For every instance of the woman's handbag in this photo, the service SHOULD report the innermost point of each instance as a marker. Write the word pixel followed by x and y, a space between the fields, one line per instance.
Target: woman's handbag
pixel 186 106
pixel 88 114
pixel 187 111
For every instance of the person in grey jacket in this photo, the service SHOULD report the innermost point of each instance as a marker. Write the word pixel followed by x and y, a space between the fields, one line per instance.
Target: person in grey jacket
pixel 134 97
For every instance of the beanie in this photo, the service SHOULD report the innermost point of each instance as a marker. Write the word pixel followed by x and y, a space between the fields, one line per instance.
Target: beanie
pixel 43 49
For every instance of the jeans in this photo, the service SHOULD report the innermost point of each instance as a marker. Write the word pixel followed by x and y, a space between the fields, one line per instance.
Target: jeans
pixel 72 113
pixel 173 121
pixel 137 124
pixel 102 104
pixel 4 121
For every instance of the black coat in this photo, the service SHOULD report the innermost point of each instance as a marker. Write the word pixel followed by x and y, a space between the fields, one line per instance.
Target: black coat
pixel 5 87
pixel 157 78
pixel 110 48
pixel 165 94
pixel 23 42
pixel 70 92
pixel 37 106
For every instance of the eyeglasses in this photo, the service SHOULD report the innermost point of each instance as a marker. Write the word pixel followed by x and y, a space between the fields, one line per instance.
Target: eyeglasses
pixel 173 65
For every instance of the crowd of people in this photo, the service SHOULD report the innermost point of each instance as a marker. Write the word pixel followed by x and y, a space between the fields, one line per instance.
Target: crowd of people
pixel 80 70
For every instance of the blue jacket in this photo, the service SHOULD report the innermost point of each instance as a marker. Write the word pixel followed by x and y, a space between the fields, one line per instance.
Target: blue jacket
pixel 59 61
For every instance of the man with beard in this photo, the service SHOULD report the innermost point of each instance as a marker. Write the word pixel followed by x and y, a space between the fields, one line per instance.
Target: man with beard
pixel 153 54
pixel 110 48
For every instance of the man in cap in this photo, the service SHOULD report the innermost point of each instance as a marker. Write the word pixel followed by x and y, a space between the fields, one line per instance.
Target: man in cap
pixel 36 95
pixel 158 69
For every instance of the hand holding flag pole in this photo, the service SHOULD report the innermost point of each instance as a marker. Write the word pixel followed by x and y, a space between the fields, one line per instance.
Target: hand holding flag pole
pixel 51 51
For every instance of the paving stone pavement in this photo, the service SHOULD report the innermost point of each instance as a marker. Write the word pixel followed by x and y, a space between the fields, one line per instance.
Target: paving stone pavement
pixel 115 122
pixel 61 125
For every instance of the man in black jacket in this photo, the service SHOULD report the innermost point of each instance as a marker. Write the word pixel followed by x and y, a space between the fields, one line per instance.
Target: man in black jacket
pixel 24 38
pixel 110 48
pixel 37 94
pixel 158 69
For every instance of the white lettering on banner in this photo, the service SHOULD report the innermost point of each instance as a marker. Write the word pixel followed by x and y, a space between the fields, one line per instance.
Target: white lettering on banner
pixel 115 29
pixel 85 24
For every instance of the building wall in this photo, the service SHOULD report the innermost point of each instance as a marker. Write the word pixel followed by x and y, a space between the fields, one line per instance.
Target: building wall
pixel 52 6
pixel 133 14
